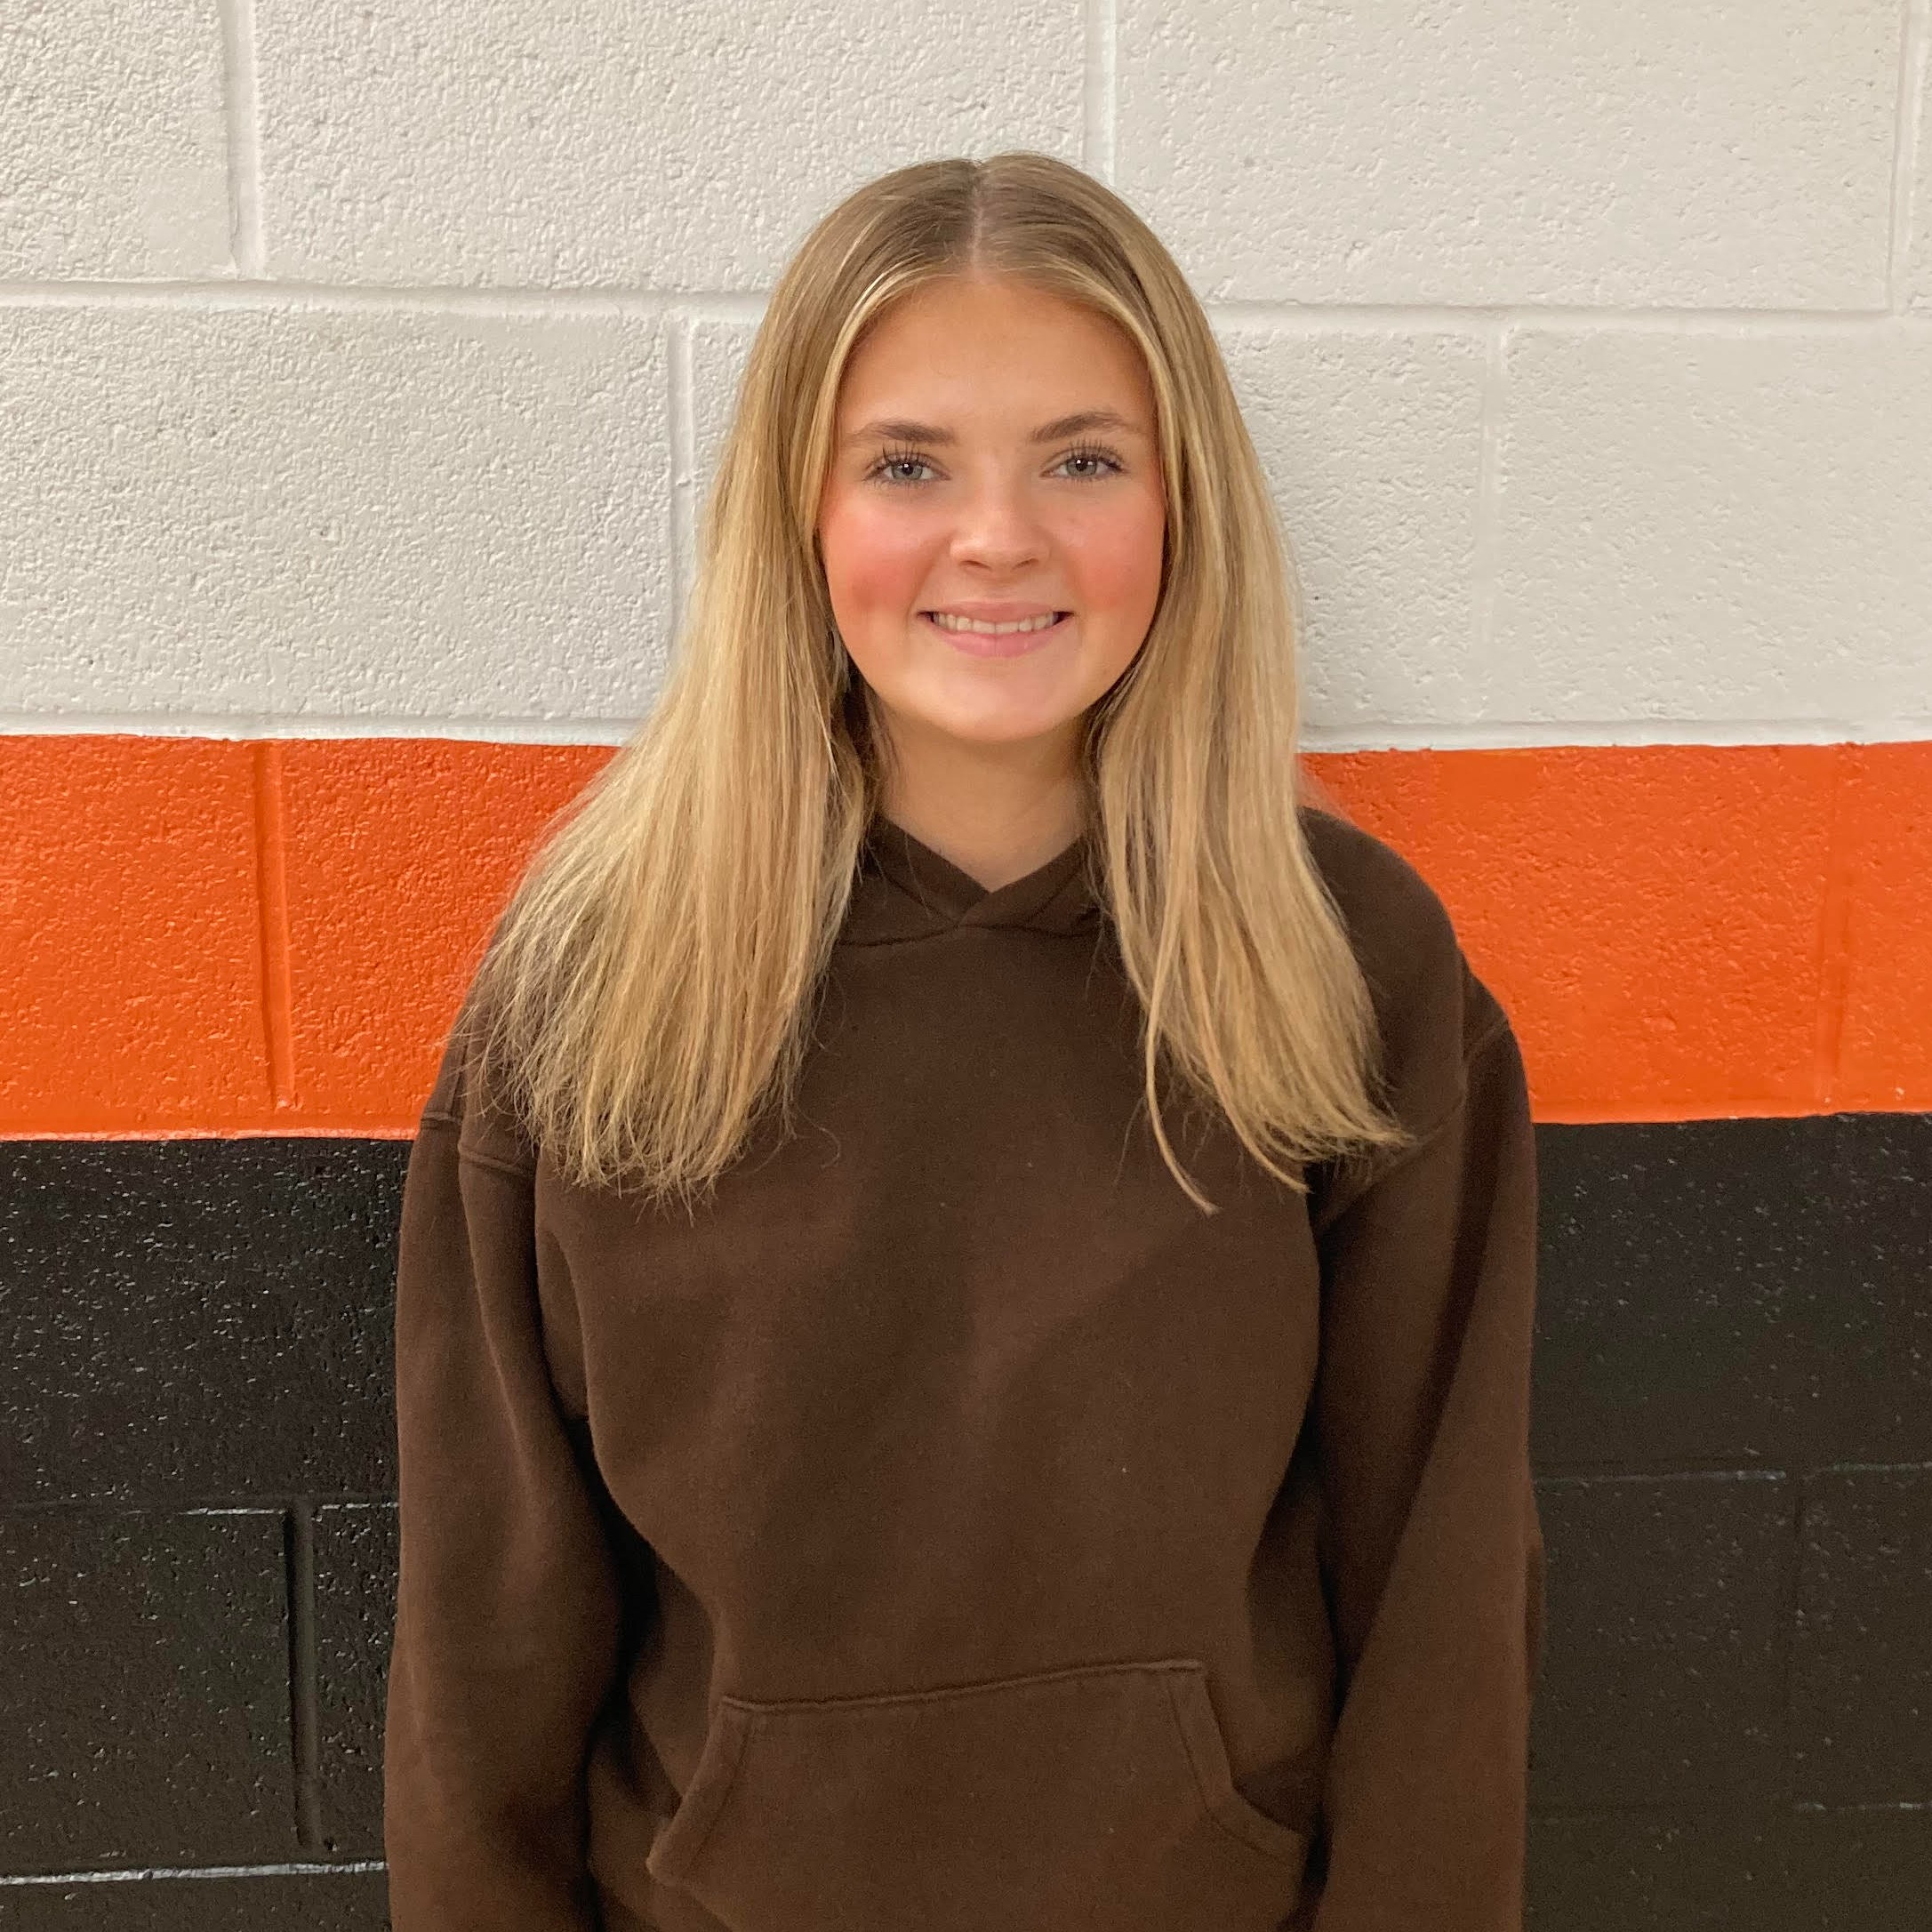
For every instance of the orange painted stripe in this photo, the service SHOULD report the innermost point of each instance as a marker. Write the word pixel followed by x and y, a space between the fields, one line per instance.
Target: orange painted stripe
pixel 205 936
pixel 1684 931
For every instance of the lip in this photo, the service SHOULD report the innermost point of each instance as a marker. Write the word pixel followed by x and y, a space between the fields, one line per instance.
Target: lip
pixel 1014 643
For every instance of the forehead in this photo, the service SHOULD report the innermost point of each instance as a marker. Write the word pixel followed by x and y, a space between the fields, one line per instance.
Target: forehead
pixel 992 351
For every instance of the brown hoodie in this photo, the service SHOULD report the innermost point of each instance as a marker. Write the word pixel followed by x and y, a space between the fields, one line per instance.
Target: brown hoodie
pixel 951 1528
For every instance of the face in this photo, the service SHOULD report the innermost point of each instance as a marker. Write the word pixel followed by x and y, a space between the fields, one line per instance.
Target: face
pixel 959 484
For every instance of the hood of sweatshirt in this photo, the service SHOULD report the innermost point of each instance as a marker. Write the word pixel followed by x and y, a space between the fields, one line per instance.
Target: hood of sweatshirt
pixel 904 889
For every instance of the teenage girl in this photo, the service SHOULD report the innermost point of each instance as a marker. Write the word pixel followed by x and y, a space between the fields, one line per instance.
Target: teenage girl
pixel 966 1286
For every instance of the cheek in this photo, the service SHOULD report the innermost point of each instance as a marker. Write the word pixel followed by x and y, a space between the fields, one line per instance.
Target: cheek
pixel 874 563
pixel 1115 560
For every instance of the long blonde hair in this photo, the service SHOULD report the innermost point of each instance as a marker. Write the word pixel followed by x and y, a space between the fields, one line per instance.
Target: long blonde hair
pixel 651 987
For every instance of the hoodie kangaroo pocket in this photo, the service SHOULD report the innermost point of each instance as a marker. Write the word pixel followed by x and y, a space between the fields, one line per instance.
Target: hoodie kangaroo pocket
pixel 1099 1797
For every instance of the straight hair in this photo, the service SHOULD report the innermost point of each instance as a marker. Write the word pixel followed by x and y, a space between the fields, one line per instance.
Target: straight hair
pixel 650 989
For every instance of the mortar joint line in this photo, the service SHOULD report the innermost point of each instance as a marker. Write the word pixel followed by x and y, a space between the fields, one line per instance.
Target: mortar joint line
pixel 1903 213
pixel 1834 958
pixel 1100 88
pixel 304 1690
pixel 271 899
pixel 242 117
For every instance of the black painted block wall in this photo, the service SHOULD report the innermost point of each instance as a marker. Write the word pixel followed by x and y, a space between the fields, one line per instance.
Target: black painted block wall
pixel 197 1531
pixel 1732 1434
pixel 1732 1429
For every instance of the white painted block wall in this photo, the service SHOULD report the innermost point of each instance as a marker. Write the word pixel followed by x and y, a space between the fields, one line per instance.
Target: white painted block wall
pixel 362 363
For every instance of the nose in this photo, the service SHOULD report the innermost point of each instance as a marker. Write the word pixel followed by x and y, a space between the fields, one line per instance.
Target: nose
pixel 999 525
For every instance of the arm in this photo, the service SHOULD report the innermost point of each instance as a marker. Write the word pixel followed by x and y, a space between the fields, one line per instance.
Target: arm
pixel 507 1622
pixel 1432 1551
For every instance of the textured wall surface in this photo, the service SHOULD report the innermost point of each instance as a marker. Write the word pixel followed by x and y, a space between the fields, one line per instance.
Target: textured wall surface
pixel 362 370
pixel 364 366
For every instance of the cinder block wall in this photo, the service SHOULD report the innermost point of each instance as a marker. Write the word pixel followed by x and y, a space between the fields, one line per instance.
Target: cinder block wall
pixel 360 369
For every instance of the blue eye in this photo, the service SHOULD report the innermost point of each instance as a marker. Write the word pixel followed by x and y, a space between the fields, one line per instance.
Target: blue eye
pixel 894 458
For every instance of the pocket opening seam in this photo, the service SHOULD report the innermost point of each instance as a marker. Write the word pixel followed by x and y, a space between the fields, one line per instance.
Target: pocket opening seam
pixel 722 1787
pixel 754 1707
pixel 1219 1796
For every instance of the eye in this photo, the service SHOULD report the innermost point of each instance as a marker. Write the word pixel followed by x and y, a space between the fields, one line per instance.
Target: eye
pixel 1094 454
pixel 891 460
pixel 894 459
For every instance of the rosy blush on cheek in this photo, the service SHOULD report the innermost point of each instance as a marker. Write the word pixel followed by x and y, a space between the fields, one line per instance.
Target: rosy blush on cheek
pixel 1114 563
pixel 872 566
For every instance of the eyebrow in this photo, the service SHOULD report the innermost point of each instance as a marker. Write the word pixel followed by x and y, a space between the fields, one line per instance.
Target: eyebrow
pixel 901 430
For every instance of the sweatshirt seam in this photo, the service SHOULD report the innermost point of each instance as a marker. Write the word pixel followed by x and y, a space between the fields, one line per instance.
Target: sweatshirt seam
pixel 516 1170
pixel 1493 1031
pixel 1422 1143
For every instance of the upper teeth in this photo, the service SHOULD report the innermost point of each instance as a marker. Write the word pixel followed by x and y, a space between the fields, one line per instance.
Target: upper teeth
pixel 946 620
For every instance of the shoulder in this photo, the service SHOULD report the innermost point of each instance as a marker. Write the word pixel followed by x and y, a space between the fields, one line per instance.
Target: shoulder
pixel 467 1094
pixel 1433 1013
pixel 1394 917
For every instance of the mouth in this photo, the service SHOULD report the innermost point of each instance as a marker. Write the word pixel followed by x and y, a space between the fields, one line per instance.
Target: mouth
pixel 996 642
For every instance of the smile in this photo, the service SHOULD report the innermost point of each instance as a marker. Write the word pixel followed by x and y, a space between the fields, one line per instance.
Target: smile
pixel 997 640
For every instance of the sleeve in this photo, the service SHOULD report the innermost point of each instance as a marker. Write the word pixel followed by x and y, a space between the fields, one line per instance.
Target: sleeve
pixel 507 1606
pixel 1432 1551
